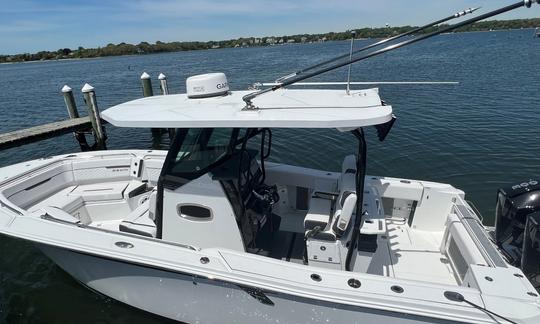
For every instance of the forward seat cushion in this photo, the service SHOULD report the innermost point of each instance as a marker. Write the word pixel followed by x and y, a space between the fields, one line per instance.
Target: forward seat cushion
pixel 139 222
pixel 61 199
pixel 100 191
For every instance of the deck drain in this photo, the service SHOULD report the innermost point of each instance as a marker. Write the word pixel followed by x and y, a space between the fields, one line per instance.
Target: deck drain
pixel 397 289
pixel 315 277
pixel 354 283
pixel 488 278
pixel 530 293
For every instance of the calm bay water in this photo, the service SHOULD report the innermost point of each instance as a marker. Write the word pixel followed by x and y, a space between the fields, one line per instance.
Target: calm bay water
pixel 479 135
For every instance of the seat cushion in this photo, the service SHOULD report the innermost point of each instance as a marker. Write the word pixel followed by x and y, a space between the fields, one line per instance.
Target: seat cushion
pixel 100 191
pixel 59 214
pixel 139 222
pixel 318 213
pixel 62 199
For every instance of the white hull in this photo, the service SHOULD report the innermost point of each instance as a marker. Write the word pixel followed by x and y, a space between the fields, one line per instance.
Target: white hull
pixel 193 299
pixel 78 210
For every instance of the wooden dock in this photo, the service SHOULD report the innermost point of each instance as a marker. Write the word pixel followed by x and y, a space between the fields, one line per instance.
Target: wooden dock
pixel 93 124
pixel 37 133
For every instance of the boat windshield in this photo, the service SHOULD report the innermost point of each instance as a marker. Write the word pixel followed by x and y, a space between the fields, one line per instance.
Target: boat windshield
pixel 199 149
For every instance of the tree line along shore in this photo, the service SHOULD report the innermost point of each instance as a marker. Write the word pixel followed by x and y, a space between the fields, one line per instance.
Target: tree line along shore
pixel 161 47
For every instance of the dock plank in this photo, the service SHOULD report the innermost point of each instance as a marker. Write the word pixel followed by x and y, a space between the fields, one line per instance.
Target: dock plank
pixel 37 133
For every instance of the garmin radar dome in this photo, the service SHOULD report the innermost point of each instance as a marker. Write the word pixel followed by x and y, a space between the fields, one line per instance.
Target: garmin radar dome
pixel 207 85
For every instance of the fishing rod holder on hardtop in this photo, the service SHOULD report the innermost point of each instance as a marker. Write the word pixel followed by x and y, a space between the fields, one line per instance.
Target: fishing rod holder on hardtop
pixel 297 77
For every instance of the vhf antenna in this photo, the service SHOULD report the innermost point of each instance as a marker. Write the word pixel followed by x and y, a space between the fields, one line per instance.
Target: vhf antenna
pixel 249 97
pixel 386 40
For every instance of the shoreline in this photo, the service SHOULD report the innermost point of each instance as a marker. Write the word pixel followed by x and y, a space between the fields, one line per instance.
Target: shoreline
pixel 231 47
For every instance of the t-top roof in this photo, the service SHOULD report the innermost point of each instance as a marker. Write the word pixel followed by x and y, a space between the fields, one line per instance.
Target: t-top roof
pixel 298 108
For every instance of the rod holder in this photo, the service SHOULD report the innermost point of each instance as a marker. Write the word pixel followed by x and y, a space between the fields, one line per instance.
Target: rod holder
pixel 163 84
pixel 146 85
pixel 95 118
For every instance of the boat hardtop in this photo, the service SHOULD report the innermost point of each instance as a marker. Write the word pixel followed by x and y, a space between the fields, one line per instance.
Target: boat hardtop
pixel 297 108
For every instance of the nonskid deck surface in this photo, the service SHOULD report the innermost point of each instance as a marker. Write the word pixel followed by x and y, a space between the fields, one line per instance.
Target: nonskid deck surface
pixel 416 255
pixel 107 205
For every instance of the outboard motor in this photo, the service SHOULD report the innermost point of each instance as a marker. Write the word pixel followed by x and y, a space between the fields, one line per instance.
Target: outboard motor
pixel 530 259
pixel 517 226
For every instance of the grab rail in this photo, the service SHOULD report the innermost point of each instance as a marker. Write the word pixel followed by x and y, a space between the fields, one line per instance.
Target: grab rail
pixel 476 211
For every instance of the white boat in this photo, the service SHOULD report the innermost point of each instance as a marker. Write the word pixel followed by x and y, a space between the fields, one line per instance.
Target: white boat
pixel 212 231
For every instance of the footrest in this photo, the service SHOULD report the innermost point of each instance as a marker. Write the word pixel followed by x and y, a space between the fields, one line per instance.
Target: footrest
pixel 373 226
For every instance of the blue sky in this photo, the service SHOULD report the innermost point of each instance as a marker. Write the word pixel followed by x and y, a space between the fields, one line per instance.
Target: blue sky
pixel 33 25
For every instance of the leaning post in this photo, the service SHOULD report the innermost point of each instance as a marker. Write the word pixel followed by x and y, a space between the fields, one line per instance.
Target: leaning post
pixel 71 106
pixel 95 118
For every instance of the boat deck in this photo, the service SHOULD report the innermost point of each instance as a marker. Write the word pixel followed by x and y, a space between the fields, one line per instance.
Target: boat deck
pixel 416 255
pixel 402 253
pixel 405 253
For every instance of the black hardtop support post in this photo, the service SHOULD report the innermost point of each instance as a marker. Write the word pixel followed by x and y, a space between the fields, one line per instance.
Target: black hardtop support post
pixel 360 178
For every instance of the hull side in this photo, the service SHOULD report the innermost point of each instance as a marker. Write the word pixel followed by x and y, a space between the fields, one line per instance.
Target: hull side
pixel 192 299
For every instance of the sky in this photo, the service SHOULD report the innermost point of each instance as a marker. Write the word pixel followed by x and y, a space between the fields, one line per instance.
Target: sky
pixel 34 25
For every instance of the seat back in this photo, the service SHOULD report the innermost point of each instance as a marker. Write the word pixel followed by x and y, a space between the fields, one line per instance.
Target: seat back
pixel 346 202
pixel 345 214
pixel 349 164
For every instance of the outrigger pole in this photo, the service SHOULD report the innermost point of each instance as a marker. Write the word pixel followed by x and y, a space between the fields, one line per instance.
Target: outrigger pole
pixel 386 40
pixel 249 97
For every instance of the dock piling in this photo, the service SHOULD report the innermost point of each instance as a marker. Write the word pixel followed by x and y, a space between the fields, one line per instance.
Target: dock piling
pixel 70 102
pixel 93 113
pixel 165 91
pixel 148 92
pixel 147 85
pixel 71 106
pixel 163 84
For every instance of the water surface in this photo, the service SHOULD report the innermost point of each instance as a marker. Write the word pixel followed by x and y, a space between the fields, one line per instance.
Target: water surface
pixel 479 135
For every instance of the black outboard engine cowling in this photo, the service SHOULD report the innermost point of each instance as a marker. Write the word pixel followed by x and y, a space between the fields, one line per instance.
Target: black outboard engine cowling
pixel 530 259
pixel 514 206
